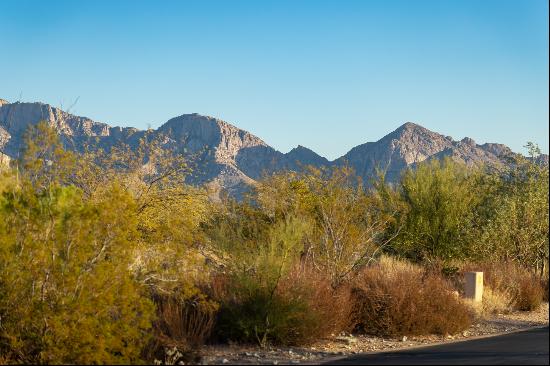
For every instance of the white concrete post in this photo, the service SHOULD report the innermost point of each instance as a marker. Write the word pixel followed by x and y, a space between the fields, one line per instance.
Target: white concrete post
pixel 473 288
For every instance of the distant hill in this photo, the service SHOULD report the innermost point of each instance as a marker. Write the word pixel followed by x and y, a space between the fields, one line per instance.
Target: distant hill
pixel 231 159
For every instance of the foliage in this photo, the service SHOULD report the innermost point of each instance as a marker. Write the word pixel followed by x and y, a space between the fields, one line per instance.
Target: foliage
pixel 265 293
pixel 169 212
pixel 84 246
pixel 66 293
pixel 108 256
pixel 517 228
pixel 256 258
pixel 44 161
pixel 346 224
pixel 441 197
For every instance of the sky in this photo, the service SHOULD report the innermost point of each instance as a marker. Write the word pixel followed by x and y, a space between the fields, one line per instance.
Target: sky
pixel 328 75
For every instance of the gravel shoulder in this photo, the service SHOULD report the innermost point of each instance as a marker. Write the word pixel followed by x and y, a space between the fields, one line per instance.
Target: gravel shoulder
pixel 347 345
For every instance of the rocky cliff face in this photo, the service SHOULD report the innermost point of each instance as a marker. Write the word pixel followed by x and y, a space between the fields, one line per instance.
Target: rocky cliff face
pixel 76 132
pixel 228 158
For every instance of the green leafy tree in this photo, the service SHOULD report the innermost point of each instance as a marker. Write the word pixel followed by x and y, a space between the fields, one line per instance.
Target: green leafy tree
pixel 441 197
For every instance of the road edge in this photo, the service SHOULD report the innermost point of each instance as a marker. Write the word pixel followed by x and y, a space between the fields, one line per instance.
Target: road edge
pixel 417 347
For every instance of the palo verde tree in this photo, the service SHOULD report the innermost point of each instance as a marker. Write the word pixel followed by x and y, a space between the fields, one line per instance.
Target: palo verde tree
pixel 66 292
pixel 440 197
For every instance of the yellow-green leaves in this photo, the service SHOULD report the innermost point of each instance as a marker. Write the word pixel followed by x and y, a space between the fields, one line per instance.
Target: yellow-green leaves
pixel 68 296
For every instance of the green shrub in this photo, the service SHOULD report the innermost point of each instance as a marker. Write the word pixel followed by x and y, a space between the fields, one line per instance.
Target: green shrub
pixel 66 294
pixel 398 299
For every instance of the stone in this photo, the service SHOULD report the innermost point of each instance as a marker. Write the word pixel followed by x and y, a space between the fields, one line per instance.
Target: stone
pixel 473 287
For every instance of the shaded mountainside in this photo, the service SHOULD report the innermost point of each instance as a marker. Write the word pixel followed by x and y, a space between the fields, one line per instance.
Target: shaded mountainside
pixel 228 158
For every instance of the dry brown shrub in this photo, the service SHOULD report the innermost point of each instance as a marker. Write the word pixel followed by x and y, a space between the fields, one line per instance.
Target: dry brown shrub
pixel 395 298
pixel 333 308
pixel 181 328
pixel 530 294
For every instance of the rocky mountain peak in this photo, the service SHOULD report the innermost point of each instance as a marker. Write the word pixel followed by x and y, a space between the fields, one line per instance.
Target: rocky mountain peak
pixel 409 126
pixel 468 141
pixel 3 102
pixel 305 156
pixel 301 150
pixel 408 130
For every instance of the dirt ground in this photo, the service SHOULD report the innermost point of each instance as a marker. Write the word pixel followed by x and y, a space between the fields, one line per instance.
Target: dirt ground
pixel 346 344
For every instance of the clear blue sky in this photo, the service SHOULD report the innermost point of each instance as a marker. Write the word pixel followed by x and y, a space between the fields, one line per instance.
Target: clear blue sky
pixel 326 75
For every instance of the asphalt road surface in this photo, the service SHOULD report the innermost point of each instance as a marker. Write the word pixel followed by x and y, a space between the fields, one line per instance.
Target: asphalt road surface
pixel 523 348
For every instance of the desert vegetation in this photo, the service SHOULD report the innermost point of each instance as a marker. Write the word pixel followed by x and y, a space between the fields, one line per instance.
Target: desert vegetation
pixel 110 257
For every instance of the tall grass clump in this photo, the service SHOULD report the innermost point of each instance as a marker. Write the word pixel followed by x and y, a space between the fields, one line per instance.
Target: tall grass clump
pixel 394 298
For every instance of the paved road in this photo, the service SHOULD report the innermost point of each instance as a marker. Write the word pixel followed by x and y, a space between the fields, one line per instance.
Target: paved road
pixel 522 348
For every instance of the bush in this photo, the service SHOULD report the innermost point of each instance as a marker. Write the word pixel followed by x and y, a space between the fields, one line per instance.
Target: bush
pixel 530 294
pixel 331 309
pixel 299 311
pixel 181 328
pixel 394 299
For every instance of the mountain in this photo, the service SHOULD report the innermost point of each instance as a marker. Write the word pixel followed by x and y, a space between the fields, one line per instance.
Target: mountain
pixel 411 144
pixel 228 158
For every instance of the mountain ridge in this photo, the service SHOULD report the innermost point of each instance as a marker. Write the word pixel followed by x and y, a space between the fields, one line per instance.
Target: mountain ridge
pixel 232 159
